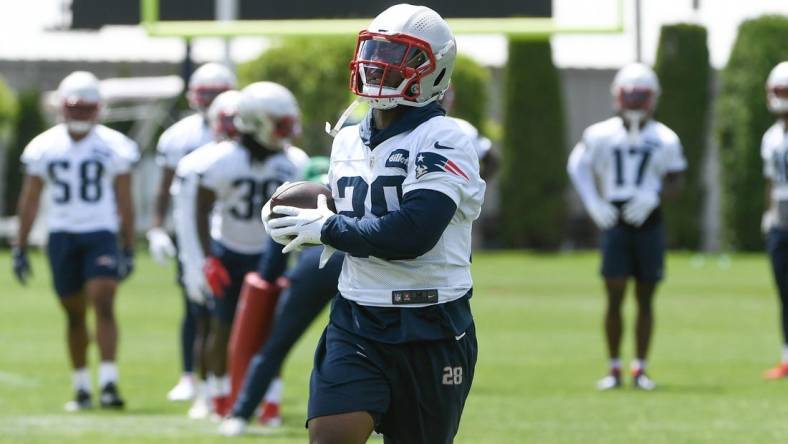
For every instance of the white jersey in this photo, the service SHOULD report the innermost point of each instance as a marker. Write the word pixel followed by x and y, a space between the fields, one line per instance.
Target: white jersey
pixel 79 176
pixel 624 168
pixel 481 144
pixel 436 155
pixel 242 187
pixel 774 151
pixel 183 137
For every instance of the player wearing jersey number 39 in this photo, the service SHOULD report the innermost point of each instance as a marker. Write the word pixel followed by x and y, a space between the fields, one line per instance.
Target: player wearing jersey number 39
pixel 399 352
pixel 83 169
pixel 638 162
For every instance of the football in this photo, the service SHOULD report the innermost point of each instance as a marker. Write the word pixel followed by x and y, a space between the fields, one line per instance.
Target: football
pixel 301 194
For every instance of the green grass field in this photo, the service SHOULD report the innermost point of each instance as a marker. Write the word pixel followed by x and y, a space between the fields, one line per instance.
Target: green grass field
pixel 541 351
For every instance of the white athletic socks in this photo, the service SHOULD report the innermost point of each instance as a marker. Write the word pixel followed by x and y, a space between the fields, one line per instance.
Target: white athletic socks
pixel 274 393
pixel 108 372
pixel 81 379
pixel 784 359
pixel 218 385
pixel 639 365
pixel 615 364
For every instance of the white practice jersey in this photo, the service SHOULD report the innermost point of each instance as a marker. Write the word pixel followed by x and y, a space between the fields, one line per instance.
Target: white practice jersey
pixel 774 150
pixel 242 187
pixel 624 168
pixel 183 190
pixel 436 155
pixel 183 137
pixel 80 176
pixel 481 144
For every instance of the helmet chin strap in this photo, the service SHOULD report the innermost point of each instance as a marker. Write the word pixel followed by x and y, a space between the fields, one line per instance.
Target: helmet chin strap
pixel 338 126
pixel 633 118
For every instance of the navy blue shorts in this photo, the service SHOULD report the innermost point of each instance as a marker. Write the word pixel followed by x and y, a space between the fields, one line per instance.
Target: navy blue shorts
pixel 238 265
pixel 415 391
pixel 75 258
pixel 632 251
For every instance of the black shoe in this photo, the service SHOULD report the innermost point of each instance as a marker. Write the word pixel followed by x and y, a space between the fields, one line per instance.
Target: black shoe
pixel 81 401
pixel 110 398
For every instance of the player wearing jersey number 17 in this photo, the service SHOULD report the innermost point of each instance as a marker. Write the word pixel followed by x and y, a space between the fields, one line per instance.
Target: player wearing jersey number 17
pixel 399 352
pixel 774 150
pixel 638 162
pixel 85 170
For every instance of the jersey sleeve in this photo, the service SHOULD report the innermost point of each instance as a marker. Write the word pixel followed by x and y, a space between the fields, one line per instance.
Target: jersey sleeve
pixel 167 151
pixel 445 161
pixel 212 174
pixel 675 161
pixel 127 154
pixel 768 167
pixel 33 158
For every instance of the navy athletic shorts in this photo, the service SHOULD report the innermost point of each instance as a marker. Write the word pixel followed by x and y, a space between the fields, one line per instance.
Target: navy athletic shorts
pixel 415 391
pixel 75 258
pixel 638 252
pixel 237 265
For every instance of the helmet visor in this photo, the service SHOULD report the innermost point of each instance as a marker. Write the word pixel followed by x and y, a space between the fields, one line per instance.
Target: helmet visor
pixel 780 91
pixel 80 111
pixel 391 63
pixel 636 98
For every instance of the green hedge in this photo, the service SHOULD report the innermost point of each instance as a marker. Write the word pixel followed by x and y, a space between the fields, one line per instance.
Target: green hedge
pixel 683 68
pixel 8 114
pixel 533 177
pixel 742 118
pixel 316 71
pixel 30 122
pixel 470 81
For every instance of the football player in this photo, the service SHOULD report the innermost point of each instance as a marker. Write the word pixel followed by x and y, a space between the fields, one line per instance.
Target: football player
pixel 239 180
pixel 84 169
pixel 638 163
pixel 190 255
pixel 400 349
pixel 186 135
pixel 774 150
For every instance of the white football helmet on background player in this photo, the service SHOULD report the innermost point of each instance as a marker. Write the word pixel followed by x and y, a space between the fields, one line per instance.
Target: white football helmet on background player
pixel 207 82
pixel 222 112
pixel 635 91
pixel 404 57
pixel 269 113
pixel 80 101
pixel 777 89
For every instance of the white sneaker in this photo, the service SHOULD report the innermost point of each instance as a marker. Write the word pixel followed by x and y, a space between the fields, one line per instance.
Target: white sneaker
pixel 232 426
pixel 611 381
pixel 641 381
pixel 200 409
pixel 183 391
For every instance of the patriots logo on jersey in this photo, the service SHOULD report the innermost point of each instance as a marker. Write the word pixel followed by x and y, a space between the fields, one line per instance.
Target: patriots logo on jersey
pixel 398 159
pixel 434 162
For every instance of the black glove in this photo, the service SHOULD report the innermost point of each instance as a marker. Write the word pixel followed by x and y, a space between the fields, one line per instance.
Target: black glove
pixel 21 265
pixel 126 263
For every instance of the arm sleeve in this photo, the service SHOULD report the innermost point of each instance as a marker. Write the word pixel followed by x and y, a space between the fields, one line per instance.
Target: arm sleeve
pixel 127 155
pixel 33 159
pixel 768 167
pixel 273 262
pixel 407 233
pixel 676 161
pixel 581 173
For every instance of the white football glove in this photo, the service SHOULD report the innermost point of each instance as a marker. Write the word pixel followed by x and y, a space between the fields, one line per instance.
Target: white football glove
pixel 768 220
pixel 303 223
pixel 194 284
pixel 604 214
pixel 640 206
pixel 160 245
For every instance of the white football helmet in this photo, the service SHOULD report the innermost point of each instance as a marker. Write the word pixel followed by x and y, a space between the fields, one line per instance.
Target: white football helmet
pixel 268 112
pixel 777 89
pixel 635 88
pixel 80 101
pixel 207 82
pixel 404 57
pixel 222 112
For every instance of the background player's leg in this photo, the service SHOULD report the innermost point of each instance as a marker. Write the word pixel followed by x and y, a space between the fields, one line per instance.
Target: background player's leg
pixel 345 428
pixel 778 256
pixel 616 289
pixel 644 292
pixel 101 293
pixel 75 307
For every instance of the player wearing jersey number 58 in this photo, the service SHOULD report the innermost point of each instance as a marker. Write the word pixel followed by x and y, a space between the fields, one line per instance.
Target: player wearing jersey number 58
pixel 774 150
pixel 399 352
pixel 638 162
pixel 85 170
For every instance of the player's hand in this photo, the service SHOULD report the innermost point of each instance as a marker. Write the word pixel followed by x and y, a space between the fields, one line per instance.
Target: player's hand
pixel 160 245
pixel 126 263
pixel 194 283
pixel 305 224
pixel 640 206
pixel 768 220
pixel 216 276
pixel 21 265
pixel 603 213
pixel 265 214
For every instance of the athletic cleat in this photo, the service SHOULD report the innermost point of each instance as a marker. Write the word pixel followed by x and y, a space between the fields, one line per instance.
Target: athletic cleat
pixel 778 372
pixel 611 381
pixel 81 401
pixel 232 426
pixel 640 380
pixel 271 415
pixel 110 398
pixel 184 390
pixel 200 409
